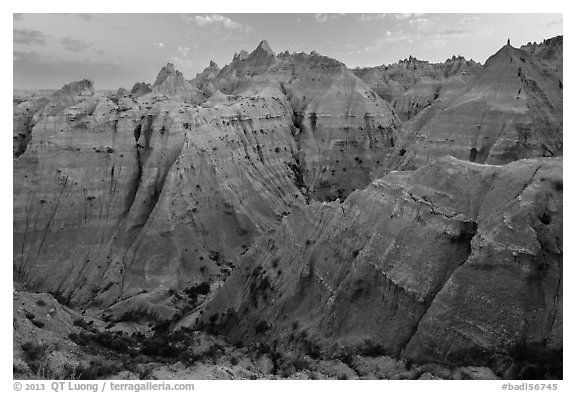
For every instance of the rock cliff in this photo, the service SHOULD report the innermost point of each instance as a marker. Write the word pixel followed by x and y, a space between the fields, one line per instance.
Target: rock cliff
pixel 511 110
pixel 411 210
pixel 456 262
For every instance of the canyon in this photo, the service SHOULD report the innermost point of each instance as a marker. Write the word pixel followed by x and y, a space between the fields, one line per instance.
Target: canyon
pixel 288 217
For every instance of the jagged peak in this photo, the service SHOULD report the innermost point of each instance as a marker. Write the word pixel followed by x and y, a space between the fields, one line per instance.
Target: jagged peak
pixel 554 41
pixel 243 55
pixel 455 58
pixel 213 64
pixel 77 88
pixel 165 72
pixel 264 47
pixel 169 67
pixel 412 60
pixel 141 88
pixel 283 55
pixel 506 50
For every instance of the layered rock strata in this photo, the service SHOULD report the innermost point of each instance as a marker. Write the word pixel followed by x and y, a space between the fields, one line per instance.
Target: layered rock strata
pixel 456 262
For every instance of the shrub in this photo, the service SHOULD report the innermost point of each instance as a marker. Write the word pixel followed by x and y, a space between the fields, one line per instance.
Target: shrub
pixel 38 324
pixel 81 323
pixel 261 327
pixel 300 364
pixel 96 370
pixel 113 341
pixel 371 349
pixel 34 351
pixel 199 289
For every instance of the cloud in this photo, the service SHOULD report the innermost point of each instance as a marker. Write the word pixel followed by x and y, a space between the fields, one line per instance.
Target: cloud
pixel 398 17
pixel 370 17
pixel 185 65
pixel 183 50
pixel 437 43
pixel 423 24
pixel 28 37
pixel 422 32
pixel 215 20
pixel 87 17
pixel 33 59
pixel 74 45
pixel 554 23
pixel 430 29
pixel 321 18
pixel 16 16
pixel 217 28
pixel 158 45
pixel 33 70
pixel 468 19
pixel 24 56
pixel 402 16
pixel 453 32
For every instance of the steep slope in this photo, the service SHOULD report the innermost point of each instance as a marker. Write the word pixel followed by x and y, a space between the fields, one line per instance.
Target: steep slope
pixel 344 129
pixel 106 183
pixel 439 265
pixel 445 81
pixel 511 110
pixel 264 188
pixel 549 51
pixel 412 85
pixel 133 195
pixel 27 113
pixel 171 82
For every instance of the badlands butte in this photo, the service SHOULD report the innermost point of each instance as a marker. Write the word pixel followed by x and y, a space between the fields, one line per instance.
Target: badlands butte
pixel 288 217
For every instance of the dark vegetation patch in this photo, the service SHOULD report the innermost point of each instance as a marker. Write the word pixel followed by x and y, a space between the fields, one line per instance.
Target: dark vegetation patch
pixel 32 318
pixel 535 361
pixel 199 289
pixel 163 346
pixel 34 351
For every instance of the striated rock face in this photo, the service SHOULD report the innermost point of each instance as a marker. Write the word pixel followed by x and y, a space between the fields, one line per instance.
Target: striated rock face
pixel 437 83
pixel 96 219
pixel 140 89
pixel 149 192
pixel 171 82
pixel 27 113
pixel 511 110
pixel 246 65
pixel 549 51
pixel 412 85
pixel 84 87
pixel 342 128
pixel 440 264
pixel 345 129
pixel 272 184
pixel 203 80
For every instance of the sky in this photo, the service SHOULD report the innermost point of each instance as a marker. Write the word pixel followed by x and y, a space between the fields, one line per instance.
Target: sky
pixel 117 50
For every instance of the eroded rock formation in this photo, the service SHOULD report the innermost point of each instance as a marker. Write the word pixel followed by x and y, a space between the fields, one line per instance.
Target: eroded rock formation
pixel 455 262
pixel 511 110
pixel 273 184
